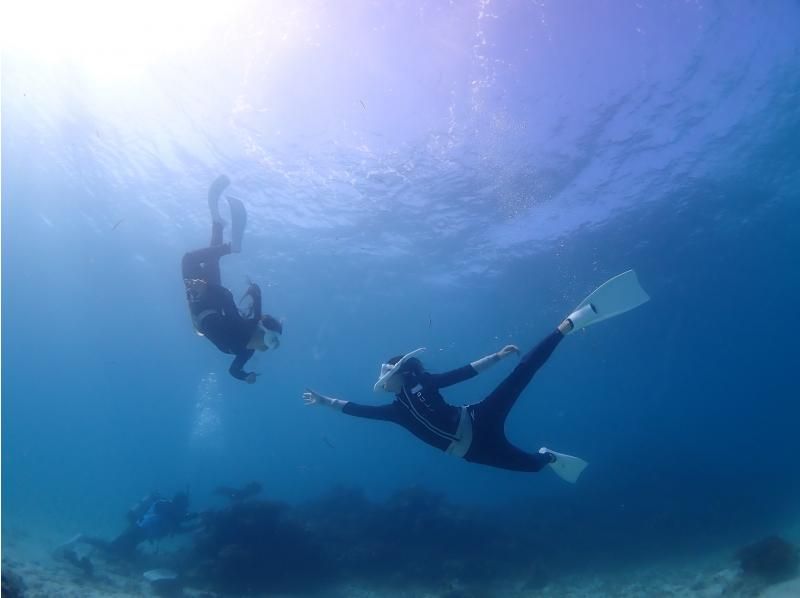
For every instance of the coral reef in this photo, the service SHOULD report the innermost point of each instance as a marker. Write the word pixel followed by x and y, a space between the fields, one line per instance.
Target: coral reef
pixel 414 543
pixel 771 560
pixel 12 584
pixel 258 546
pixel 254 547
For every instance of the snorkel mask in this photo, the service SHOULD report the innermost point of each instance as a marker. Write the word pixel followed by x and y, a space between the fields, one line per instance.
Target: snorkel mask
pixel 272 339
pixel 389 370
pixel 272 329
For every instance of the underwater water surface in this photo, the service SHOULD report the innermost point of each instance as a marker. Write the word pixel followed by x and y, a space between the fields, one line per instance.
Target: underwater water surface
pixel 449 175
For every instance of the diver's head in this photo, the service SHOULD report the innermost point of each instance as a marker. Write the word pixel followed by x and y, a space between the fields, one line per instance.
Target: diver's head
pixel 266 334
pixel 399 371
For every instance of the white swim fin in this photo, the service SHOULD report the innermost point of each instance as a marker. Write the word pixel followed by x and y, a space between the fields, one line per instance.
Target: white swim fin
pixel 238 223
pixel 616 296
pixel 214 193
pixel 567 467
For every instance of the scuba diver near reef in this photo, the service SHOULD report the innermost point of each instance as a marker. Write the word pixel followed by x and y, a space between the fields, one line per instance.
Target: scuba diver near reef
pixel 476 432
pixel 213 310
pixel 152 518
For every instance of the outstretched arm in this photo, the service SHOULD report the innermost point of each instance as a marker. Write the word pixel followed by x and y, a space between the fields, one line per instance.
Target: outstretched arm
pixel 484 363
pixel 473 369
pixel 236 370
pixel 382 412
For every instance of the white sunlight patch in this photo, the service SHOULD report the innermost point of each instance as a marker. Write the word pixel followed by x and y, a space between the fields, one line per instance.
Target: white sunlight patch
pixel 111 39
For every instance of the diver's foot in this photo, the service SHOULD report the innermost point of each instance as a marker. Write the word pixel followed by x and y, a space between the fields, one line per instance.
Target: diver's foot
pixel 214 192
pixel 565 327
pixel 548 454
pixel 567 467
pixel 581 318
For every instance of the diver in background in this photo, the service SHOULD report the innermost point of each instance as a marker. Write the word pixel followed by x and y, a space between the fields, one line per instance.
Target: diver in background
pixel 214 312
pixel 152 519
pixel 476 432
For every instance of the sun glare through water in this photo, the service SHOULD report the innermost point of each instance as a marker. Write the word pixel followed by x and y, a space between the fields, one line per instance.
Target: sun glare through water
pixel 112 41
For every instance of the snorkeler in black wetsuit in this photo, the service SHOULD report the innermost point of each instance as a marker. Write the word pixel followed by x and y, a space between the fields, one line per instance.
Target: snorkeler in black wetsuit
pixel 214 312
pixel 477 432
pixel 474 432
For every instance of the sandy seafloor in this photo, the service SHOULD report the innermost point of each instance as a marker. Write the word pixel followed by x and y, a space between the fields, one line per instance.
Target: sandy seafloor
pixel 700 576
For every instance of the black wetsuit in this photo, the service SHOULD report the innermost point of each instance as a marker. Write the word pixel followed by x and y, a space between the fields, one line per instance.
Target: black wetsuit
pixel 422 410
pixel 214 310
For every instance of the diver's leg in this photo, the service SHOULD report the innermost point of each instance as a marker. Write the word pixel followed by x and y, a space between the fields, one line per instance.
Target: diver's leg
pixel 216 233
pixel 496 406
pixel 192 266
pixel 491 447
pixel 518 460
pixel 203 263
pixel 213 275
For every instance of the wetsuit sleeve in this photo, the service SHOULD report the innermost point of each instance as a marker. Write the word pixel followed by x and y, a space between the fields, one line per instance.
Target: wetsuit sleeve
pixel 236 367
pixel 452 377
pixel 382 412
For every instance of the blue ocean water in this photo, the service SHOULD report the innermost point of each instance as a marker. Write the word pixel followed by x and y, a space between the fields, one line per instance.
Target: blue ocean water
pixel 450 175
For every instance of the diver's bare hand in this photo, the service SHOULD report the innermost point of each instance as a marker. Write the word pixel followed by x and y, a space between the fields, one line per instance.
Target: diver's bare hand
pixel 311 397
pixel 251 378
pixel 507 350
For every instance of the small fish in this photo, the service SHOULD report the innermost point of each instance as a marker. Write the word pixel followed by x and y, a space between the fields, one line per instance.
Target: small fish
pixel 327 441
pixel 117 224
pixel 363 105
